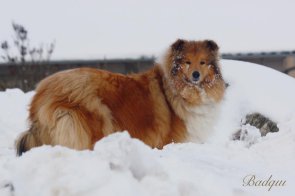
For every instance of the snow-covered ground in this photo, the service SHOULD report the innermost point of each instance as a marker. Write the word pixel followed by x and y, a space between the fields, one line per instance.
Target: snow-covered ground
pixel 120 165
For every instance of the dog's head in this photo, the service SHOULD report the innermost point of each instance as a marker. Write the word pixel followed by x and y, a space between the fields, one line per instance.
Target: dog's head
pixel 193 68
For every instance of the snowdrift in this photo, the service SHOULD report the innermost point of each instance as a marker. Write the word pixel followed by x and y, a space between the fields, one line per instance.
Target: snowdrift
pixel 120 165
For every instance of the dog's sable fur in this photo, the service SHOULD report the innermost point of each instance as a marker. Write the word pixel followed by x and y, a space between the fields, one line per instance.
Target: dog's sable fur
pixel 78 107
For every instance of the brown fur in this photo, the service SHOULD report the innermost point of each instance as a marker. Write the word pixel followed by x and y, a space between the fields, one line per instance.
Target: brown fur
pixel 78 107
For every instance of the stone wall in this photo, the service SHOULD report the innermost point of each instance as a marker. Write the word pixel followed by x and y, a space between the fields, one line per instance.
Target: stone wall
pixel 26 76
pixel 281 61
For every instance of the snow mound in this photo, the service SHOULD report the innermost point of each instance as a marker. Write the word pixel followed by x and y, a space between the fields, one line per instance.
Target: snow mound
pixel 120 165
pixel 254 88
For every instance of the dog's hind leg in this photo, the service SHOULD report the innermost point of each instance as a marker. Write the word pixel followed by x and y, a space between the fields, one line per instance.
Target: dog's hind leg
pixel 71 131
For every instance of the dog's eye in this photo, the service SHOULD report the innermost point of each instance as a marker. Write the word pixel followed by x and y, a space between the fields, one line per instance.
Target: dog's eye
pixel 188 62
pixel 202 62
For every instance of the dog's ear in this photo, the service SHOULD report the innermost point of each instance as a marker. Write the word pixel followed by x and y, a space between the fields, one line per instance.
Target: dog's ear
pixel 211 45
pixel 178 45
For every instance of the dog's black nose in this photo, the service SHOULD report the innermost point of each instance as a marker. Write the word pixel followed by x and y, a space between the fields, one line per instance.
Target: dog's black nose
pixel 196 76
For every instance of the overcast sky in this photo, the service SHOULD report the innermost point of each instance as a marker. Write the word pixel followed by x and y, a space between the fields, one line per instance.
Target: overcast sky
pixel 130 28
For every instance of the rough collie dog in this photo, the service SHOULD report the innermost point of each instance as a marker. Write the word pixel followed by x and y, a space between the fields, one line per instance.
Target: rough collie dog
pixel 175 101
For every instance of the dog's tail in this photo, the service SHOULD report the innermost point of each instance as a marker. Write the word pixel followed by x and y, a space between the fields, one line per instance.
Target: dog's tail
pixel 26 141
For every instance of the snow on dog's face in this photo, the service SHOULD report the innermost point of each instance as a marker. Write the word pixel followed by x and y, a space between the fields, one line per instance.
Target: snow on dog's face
pixel 193 68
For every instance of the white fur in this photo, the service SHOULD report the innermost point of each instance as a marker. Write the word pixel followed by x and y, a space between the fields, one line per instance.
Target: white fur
pixel 201 120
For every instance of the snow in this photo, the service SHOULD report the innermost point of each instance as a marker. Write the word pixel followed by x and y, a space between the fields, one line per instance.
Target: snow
pixel 120 165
